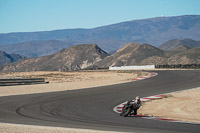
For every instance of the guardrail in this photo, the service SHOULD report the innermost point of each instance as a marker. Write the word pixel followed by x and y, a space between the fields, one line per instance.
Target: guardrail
pixel 96 68
pixel 21 81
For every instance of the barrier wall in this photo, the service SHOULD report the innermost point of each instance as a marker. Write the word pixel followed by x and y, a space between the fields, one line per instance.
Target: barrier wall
pixel 133 67
pixel 11 82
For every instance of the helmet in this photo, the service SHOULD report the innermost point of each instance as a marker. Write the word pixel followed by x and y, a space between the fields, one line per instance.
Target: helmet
pixel 137 98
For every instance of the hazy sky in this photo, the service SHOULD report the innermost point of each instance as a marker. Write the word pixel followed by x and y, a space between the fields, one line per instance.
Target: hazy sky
pixel 43 15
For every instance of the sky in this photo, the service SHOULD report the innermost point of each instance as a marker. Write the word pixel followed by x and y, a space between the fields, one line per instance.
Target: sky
pixel 46 15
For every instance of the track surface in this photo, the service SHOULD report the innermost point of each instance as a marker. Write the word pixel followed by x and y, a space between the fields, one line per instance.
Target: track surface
pixel 93 108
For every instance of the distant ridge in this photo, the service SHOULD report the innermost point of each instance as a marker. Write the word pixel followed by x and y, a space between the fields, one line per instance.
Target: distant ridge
pixel 36 48
pixel 171 44
pixel 153 31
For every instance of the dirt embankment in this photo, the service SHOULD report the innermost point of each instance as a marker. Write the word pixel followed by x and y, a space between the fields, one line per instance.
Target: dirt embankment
pixel 181 106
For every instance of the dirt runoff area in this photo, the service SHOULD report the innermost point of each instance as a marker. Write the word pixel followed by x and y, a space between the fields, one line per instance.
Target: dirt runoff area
pixel 61 81
pixel 18 128
pixel 180 106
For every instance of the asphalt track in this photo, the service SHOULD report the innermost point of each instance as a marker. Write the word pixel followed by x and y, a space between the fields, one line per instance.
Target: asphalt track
pixel 92 108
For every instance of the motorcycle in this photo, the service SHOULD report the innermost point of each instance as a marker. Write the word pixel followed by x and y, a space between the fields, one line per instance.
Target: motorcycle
pixel 128 108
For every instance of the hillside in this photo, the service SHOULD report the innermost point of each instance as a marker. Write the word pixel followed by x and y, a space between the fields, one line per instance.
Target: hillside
pixel 36 48
pixel 90 55
pixel 180 48
pixel 144 54
pixel 8 58
pixel 131 54
pixel 111 37
pixel 191 56
pixel 171 44
pixel 73 58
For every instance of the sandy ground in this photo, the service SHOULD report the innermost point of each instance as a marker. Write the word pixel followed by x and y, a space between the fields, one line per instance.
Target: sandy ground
pixel 60 81
pixel 181 106
pixel 18 128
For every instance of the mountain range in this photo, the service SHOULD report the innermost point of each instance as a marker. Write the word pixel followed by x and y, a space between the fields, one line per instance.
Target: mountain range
pixel 90 55
pixel 145 54
pixel 73 58
pixel 36 48
pixel 153 31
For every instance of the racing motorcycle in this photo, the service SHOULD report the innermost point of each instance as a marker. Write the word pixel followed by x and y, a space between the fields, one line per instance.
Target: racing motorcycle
pixel 128 108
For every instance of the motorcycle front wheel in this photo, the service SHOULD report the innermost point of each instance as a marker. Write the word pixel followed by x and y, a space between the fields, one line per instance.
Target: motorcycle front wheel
pixel 126 112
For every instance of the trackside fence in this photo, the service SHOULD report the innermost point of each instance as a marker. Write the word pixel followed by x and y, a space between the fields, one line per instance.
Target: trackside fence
pixel 180 66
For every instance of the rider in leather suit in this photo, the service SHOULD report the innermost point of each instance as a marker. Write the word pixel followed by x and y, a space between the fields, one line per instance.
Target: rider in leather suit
pixel 138 104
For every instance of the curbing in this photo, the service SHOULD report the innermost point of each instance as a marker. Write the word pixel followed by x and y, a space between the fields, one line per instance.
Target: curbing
pixel 118 108
pixel 145 77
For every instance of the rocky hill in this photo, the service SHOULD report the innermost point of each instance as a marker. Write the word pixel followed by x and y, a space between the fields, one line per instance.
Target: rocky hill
pixel 144 54
pixel 73 58
pixel 131 54
pixel 191 56
pixel 9 58
pixel 180 48
pixel 90 55
pixel 151 31
pixel 36 48
pixel 171 44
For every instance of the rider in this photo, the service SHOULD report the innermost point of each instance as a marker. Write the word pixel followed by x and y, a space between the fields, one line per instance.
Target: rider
pixel 137 101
